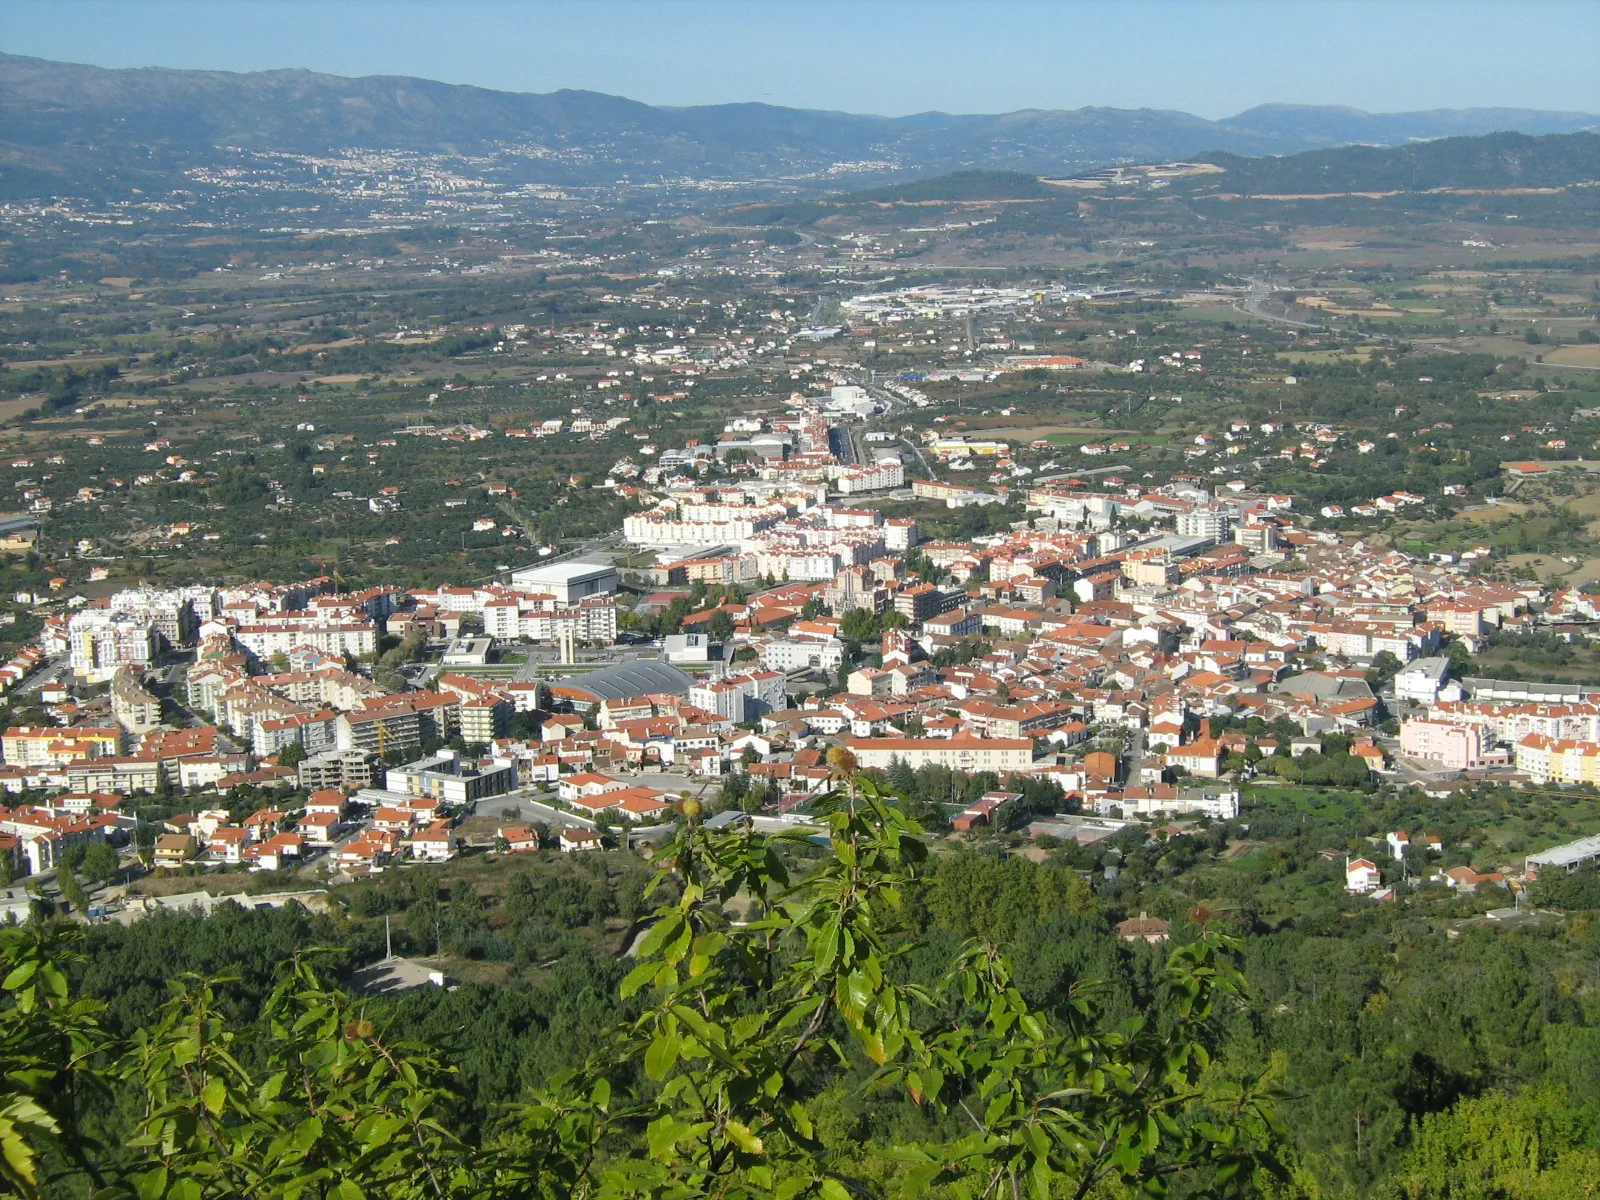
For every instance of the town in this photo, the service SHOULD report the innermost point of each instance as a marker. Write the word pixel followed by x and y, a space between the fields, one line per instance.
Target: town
pixel 1133 652
pixel 553 645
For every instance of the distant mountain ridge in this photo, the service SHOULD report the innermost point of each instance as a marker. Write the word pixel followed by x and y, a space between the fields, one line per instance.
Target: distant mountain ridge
pixel 65 126
pixel 1491 162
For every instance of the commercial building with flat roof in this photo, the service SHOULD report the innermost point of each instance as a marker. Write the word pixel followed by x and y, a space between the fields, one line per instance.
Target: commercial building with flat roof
pixel 568 582
pixel 1568 857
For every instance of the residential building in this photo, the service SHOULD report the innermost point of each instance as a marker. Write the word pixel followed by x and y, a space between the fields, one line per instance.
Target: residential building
pixel 1453 747
pixel 452 780
pixel 962 753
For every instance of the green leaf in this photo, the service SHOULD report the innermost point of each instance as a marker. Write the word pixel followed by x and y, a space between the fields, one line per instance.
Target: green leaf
pixel 638 977
pixel 152 1185
pixel 663 1052
pixel 1040 1175
pixel 663 929
pixel 739 1134
pixel 214 1095
pixel 307 1133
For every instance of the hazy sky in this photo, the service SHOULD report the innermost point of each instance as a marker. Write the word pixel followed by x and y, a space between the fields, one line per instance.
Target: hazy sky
pixel 1211 57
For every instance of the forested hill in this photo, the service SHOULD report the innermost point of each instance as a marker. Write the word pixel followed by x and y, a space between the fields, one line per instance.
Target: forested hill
pixel 1498 160
pixel 1495 161
pixel 963 185
pixel 66 126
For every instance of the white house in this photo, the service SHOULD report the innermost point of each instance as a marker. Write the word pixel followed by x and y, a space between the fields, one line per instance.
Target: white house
pixel 1361 877
pixel 1399 840
pixel 579 839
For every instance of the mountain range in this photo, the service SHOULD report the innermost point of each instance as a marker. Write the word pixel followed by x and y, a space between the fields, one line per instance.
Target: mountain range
pixel 71 129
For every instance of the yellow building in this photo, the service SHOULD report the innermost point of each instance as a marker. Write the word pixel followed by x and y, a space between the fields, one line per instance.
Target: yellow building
pixel 1558 760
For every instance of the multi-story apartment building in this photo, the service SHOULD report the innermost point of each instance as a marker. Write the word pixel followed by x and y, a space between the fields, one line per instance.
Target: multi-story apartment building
pixel 102 641
pixel 485 718
pixel 1558 760
pixel 960 753
pixel 48 746
pixel 452 780
pixel 280 635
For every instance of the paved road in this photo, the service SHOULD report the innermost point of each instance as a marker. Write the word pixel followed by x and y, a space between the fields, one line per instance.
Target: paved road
pixel 51 670
pixel 521 806
pixel 1260 292
pixel 842 445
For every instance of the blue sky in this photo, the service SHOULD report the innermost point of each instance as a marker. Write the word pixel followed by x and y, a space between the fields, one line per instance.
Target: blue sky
pixel 1210 57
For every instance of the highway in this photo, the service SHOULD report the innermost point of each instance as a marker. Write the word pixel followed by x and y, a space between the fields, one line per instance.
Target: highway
pixel 1260 292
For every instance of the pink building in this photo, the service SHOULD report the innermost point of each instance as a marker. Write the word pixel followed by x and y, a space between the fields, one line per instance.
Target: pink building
pixel 1457 747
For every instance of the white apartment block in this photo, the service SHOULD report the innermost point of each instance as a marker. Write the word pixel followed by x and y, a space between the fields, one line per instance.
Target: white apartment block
pixel 900 534
pixel 764 691
pixel 645 529
pixel 1204 522
pixel 175 613
pixel 724 699
pixel 101 641
pixel 800 565
pixel 784 654
pixel 961 752
pixel 883 475
pixel 281 636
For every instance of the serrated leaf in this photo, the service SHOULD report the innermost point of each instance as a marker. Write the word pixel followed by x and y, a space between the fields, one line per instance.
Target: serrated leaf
pixel 152 1185
pixel 659 933
pixel 741 1136
pixel 663 1052
pixel 214 1095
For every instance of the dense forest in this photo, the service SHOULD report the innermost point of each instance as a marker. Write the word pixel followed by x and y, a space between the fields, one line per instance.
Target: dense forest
pixel 869 1019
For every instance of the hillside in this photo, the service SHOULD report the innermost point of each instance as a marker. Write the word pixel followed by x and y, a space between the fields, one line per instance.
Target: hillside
pixel 1495 161
pixel 962 185
pixel 67 128
pixel 1498 160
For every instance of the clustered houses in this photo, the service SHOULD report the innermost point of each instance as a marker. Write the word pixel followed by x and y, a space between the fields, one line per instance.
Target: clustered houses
pixel 33 837
pixel 1106 643
pixel 1087 626
pixel 1549 742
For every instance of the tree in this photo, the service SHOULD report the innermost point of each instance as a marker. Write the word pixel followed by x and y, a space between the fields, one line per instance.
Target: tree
pixel 744 1027
pixel 292 755
pixel 859 625
pixel 1535 1145
pixel 72 890
pixel 100 863
pixel 720 627
pixel 1385 666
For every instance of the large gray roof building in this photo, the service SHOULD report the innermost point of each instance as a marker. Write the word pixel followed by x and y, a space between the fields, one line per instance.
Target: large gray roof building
pixel 622 680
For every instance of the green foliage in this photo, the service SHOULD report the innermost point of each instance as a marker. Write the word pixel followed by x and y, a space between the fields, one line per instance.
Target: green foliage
pixel 292 755
pixel 99 863
pixel 717 1086
pixel 1534 1146
pixel 994 899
